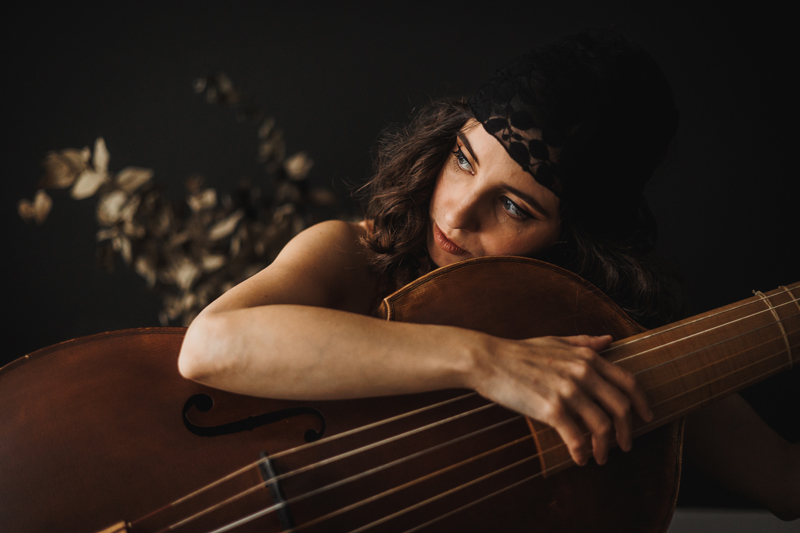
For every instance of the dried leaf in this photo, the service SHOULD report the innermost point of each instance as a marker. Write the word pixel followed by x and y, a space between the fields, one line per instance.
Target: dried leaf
pixel 62 168
pixel 87 184
pixel 225 227
pixel 266 128
pixel 180 271
pixel 172 306
pixel 200 252
pixel 129 209
pixel 237 239
pixel 110 206
pixel 146 270
pixel 163 222
pixel 131 178
pixel 203 200
pixel 287 192
pixel 199 85
pixel 298 165
pixel 213 262
pixel 271 150
pixel 283 212
pixel 101 156
pixel 122 244
pixel 177 239
pixel 37 210
pixel 106 233
pixel 224 84
pixel 133 230
pixel 145 267
pixel 186 273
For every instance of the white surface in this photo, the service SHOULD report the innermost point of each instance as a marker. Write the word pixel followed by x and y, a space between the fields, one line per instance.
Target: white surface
pixel 714 520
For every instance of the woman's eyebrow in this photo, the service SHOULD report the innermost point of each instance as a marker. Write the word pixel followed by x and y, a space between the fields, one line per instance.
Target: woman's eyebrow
pixel 530 200
pixel 463 139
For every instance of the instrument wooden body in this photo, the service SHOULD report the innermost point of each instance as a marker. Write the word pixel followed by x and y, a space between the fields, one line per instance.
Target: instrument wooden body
pixel 103 429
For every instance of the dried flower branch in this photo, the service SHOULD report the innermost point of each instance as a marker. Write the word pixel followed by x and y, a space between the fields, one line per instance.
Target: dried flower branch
pixel 191 251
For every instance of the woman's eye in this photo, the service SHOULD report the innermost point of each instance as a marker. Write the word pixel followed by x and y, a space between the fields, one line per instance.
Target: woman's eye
pixel 513 209
pixel 461 160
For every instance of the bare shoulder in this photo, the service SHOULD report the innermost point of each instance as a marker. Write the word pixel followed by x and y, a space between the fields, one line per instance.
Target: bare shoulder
pixel 334 240
pixel 326 265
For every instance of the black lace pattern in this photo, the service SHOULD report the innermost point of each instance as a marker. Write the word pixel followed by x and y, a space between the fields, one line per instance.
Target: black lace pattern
pixel 590 118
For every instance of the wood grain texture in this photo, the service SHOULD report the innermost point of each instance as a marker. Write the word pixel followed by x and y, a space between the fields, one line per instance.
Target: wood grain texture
pixel 93 431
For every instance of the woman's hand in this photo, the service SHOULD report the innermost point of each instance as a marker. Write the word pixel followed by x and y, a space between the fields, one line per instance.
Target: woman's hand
pixel 562 381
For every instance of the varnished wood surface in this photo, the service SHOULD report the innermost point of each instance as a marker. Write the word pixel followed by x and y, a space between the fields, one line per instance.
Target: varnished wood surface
pixel 92 434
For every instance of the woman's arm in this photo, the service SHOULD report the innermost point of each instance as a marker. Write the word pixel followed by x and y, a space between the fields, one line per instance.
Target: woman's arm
pixel 299 330
pixel 731 443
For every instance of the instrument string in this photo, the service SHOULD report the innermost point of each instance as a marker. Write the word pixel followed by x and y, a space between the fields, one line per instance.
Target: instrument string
pixel 340 482
pixel 785 288
pixel 481 499
pixel 705 347
pixel 711 364
pixel 701 332
pixel 642 429
pixel 416 481
pixel 444 493
pixel 370 426
pixel 780 324
pixel 302 447
pixel 783 336
pixel 667 329
pixel 499 491
pixel 393 490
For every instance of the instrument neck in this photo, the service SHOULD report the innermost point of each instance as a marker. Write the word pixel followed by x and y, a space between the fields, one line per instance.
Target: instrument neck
pixel 694 362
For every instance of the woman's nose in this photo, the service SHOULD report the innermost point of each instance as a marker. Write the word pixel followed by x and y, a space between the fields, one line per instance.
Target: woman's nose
pixel 463 214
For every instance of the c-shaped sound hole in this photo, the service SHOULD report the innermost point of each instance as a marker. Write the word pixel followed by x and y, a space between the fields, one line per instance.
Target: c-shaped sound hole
pixel 204 403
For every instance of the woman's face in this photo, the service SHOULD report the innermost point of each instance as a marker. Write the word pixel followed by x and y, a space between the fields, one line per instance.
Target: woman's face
pixel 485 204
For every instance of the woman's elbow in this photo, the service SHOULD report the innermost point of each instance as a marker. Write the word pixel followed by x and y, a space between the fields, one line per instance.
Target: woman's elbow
pixel 200 358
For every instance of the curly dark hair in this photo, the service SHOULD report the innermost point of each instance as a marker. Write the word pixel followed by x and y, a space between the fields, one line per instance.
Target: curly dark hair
pixel 604 103
pixel 396 200
pixel 406 164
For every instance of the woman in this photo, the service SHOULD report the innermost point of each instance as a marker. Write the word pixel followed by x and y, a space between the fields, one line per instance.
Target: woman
pixel 549 160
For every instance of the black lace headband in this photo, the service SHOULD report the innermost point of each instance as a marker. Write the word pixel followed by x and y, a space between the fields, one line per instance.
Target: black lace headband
pixel 600 103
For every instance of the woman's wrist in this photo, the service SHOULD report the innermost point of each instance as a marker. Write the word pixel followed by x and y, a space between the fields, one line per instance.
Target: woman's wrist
pixel 475 349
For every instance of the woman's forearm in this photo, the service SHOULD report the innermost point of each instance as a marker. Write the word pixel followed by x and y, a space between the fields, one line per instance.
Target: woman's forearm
pixel 305 352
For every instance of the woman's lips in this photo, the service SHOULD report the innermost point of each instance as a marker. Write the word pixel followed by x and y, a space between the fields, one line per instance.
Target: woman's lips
pixel 444 243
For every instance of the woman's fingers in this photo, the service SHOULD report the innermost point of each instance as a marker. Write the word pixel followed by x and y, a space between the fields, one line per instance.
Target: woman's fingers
pixel 599 425
pixel 626 382
pixel 618 376
pixel 618 406
pixel 600 393
pixel 557 415
pixel 596 343
pixel 563 382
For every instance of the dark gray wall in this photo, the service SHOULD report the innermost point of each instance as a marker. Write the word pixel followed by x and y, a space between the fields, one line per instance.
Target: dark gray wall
pixel 333 76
